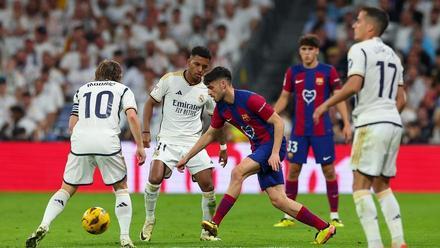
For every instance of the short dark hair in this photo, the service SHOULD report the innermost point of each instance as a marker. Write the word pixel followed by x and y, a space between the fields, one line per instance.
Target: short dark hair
pixel 218 72
pixel 379 16
pixel 108 70
pixel 309 40
pixel 201 51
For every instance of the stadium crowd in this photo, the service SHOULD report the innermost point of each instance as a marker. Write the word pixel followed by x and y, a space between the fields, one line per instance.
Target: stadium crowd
pixel 414 32
pixel 50 48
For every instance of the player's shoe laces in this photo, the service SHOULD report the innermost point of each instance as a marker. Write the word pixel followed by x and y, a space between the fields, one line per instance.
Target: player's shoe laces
pixel 36 237
pixel 210 226
pixel 127 243
pixel 337 223
pixel 147 230
pixel 284 222
pixel 206 236
pixel 325 234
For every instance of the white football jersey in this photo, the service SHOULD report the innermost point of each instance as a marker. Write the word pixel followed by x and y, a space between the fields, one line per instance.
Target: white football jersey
pixel 382 71
pixel 98 106
pixel 182 108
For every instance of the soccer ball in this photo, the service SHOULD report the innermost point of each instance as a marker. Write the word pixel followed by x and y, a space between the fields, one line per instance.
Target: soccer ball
pixel 95 220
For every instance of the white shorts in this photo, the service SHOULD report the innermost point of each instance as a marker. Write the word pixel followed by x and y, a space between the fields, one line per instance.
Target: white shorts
pixel 80 169
pixel 375 149
pixel 171 154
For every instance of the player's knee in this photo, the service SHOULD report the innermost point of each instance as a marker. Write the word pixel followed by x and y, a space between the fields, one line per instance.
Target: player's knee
pixel 155 179
pixel 237 175
pixel 206 186
pixel 276 201
pixel 293 175
pixel 329 172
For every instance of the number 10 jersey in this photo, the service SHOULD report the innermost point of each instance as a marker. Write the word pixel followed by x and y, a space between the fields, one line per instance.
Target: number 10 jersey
pixel 98 106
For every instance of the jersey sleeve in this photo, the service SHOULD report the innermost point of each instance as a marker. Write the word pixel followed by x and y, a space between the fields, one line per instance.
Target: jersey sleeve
pixel 259 106
pixel 210 105
pixel 217 120
pixel 356 61
pixel 75 104
pixel 335 81
pixel 128 101
pixel 159 90
pixel 287 83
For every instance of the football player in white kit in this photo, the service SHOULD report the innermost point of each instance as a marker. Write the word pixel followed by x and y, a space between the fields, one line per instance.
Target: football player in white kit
pixel 94 124
pixel 183 97
pixel 375 75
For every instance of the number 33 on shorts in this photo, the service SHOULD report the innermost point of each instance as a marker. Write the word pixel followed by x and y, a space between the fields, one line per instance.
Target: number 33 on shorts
pixel 292 148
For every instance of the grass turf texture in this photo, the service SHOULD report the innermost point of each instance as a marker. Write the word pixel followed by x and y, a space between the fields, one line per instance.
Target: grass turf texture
pixel 249 223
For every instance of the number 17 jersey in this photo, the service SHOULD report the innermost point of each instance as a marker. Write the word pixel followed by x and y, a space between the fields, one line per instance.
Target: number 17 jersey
pixel 382 72
pixel 98 106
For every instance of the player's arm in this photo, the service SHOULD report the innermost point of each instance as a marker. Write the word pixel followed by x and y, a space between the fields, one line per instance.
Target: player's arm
pixel 282 101
pixel 74 114
pixel 278 124
pixel 72 122
pixel 135 128
pixel 223 155
pixel 343 111
pixel 351 87
pixel 148 113
pixel 208 137
pixel 401 98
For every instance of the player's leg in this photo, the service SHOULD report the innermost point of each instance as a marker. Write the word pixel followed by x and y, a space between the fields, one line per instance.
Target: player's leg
pixel 201 166
pixel 114 172
pixel 367 158
pixel 204 179
pixel 151 193
pixel 75 176
pixel 297 150
pixel 246 168
pixel 279 200
pixel 324 150
pixel 390 209
pixel 381 185
pixel 123 211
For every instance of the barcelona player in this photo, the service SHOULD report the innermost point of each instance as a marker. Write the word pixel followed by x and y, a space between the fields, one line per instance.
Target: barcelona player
pixel 311 83
pixel 250 113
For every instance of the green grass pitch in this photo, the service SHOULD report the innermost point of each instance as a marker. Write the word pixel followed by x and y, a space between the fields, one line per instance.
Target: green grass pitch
pixel 249 223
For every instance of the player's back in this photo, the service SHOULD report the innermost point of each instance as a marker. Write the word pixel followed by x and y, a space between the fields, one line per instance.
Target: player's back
pixel 98 106
pixel 382 72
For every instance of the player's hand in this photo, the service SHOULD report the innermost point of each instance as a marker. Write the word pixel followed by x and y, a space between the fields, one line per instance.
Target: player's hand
pixel 223 158
pixel 319 111
pixel 181 164
pixel 140 155
pixel 146 139
pixel 348 133
pixel 274 161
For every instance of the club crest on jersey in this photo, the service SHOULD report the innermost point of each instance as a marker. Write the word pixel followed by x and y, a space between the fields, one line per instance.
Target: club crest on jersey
pixel 319 81
pixel 201 98
pixel 248 130
pixel 309 95
pixel 245 117
pixel 227 115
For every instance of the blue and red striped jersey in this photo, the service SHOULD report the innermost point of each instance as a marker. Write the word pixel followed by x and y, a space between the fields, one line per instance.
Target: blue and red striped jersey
pixel 310 88
pixel 249 113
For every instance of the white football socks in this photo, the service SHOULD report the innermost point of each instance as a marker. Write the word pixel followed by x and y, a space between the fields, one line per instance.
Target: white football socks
pixel 367 213
pixel 123 212
pixel 150 197
pixel 391 212
pixel 208 205
pixel 55 206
